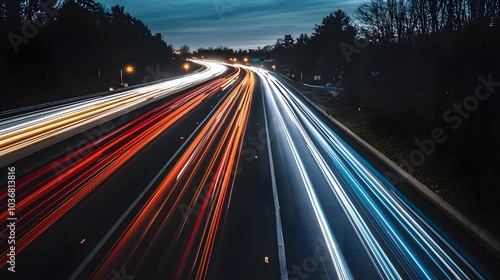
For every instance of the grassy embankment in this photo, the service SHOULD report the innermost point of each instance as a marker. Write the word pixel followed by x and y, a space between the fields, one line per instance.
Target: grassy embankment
pixel 445 175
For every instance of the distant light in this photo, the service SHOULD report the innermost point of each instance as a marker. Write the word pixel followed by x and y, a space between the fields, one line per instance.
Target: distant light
pixel 83 241
pixel 266 259
pixel 129 69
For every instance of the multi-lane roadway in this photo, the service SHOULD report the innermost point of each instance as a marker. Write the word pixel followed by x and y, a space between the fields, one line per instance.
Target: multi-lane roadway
pixel 229 174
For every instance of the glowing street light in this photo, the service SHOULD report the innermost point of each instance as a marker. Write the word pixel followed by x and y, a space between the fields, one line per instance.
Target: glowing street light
pixel 186 66
pixel 129 69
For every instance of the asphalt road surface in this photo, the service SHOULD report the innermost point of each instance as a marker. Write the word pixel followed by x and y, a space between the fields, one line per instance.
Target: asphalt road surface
pixel 232 175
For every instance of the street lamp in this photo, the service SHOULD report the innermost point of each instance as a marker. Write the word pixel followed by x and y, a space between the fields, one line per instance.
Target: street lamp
pixel 129 69
pixel 186 66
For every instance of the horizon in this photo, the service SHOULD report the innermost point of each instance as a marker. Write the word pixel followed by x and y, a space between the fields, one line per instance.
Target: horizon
pixel 233 24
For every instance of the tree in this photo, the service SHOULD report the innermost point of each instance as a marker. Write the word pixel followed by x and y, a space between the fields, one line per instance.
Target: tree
pixel 288 42
pixel 185 51
pixel 374 20
pixel 82 40
pixel 303 41
pixel 11 12
pixel 335 26
pixel 334 29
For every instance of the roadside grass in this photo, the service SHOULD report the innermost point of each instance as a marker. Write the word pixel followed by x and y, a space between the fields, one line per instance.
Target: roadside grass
pixel 449 177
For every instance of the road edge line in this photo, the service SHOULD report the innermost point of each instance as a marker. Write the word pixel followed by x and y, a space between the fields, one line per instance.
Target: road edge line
pixel 101 243
pixel 481 235
pixel 279 229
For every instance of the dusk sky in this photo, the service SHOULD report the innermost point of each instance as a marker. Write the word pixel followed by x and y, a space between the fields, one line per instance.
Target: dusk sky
pixel 232 23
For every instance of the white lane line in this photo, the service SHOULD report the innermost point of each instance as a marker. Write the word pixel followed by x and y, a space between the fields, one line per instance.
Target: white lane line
pixel 105 238
pixel 279 229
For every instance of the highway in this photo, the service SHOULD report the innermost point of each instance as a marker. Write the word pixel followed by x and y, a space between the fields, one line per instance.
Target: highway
pixel 366 227
pixel 230 174
pixel 30 130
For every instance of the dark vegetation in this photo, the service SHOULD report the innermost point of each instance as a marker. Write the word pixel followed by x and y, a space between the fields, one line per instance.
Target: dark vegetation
pixel 431 72
pixel 445 174
pixel 58 49
pixel 421 82
pixel 432 64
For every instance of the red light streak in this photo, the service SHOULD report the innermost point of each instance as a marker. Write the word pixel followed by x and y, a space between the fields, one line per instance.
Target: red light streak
pixel 219 142
pixel 44 197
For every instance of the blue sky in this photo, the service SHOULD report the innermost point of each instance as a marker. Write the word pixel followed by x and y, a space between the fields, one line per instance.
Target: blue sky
pixel 232 23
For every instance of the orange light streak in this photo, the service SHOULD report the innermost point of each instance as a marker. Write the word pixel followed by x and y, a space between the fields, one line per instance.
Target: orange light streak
pixel 41 205
pixel 219 141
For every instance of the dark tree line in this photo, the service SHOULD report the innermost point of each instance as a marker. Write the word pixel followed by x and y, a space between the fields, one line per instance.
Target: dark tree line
pixel 419 59
pixel 46 44
pixel 311 55
pixel 436 62
pixel 394 53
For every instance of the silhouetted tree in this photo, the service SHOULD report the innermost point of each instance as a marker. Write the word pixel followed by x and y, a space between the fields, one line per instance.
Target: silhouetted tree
pixel 11 11
pixel 78 40
pixel 185 51
pixel 324 44
pixel 303 41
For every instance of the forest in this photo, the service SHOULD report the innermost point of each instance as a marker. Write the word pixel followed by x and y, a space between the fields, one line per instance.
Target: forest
pixel 52 49
pixel 433 64
pixel 387 54
pixel 436 62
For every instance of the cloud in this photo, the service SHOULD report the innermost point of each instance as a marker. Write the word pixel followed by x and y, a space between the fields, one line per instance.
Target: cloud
pixel 232 23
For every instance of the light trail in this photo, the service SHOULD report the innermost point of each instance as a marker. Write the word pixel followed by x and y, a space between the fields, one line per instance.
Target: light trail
pixel 336 255
pixel 208 168
pixel 21 132
pixel 400 243
pixel 44 197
